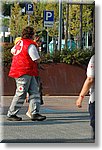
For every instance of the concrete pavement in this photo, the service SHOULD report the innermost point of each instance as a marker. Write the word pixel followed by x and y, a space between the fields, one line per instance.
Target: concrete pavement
pixel 65 123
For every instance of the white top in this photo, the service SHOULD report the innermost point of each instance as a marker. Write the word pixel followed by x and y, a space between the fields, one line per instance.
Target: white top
pixel 91 73
pixel 33 53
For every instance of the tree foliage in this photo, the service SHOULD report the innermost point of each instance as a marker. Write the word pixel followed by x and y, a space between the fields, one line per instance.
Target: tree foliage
pixel 17 21
pixel 5 22
pixel 6 9
pixel 74 19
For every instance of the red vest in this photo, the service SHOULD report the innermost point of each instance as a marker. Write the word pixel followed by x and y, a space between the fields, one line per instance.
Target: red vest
pixel 22 63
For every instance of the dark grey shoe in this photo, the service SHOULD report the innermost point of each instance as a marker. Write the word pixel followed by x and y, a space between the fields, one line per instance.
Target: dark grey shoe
pixel 38 117
pixel 14 118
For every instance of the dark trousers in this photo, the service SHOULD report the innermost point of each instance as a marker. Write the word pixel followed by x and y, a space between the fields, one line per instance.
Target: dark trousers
pixel 40 89
pixel 92 116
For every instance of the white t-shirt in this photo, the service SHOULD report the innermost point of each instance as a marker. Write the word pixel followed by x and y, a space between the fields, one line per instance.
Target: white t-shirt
pixel 33 53
pixel 91 73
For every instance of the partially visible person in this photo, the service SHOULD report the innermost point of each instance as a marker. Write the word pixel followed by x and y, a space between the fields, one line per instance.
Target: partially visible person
pixel 24 69
pixel 89 86
pixel 16 40
pixel 38 79
pixel 36 39
pixel 28 113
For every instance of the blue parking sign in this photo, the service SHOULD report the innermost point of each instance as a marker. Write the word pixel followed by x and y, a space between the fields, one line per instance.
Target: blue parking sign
pixel 29 8
pixel 48 18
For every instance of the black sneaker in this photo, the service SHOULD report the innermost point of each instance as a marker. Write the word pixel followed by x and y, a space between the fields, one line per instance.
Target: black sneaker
pixel 38 117
pixel 14 118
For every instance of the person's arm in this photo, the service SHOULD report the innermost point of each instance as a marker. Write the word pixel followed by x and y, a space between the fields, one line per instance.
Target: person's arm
pixel 33 53
pixel 87 84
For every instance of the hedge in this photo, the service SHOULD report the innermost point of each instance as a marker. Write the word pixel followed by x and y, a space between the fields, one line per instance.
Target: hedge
pixel 77 56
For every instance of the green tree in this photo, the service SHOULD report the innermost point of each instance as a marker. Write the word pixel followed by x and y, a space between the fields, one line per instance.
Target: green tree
pixel 74 20
pixel 87 18
pixel 5 22
pixel 6 8
pixel 17 21
pixel 38 16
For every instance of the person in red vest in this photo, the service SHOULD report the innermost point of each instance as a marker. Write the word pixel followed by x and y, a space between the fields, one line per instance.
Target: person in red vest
pixel 36 39
pixel 24 69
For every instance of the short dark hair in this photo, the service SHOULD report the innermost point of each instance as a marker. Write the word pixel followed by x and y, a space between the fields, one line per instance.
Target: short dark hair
pixel 28 32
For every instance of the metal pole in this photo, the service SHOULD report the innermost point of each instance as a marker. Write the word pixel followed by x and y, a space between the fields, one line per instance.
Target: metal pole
pixel 81 41
pixel 47 41
pixel 70 42
pixel 67 18
pixel 93 32
pixel 60 25
pixel 28 20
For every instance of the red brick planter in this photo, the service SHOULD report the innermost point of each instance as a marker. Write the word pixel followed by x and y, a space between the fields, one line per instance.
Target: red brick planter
pixel 57 79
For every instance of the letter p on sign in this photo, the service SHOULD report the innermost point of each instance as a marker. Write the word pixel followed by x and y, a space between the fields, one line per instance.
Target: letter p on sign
pixel 29 7
pixel 48 15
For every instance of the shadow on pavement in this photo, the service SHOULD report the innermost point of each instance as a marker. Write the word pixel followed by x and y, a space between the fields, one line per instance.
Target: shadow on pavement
pixel 48 141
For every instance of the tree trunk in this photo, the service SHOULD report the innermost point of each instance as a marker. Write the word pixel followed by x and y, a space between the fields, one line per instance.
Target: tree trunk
pixel 81 40
pixel 67 19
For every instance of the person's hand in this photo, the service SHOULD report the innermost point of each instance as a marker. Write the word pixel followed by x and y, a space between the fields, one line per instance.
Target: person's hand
pixel 79 102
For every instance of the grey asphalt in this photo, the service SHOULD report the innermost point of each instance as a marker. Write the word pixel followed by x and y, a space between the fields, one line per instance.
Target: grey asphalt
pixel 65 123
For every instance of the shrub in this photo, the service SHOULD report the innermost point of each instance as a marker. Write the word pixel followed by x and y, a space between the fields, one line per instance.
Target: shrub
pixel 77 56
pixel 6 54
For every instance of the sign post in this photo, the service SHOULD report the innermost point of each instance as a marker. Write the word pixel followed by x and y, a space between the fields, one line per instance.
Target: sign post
pixel 29 11
pixel 60 26
pixel 48 22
